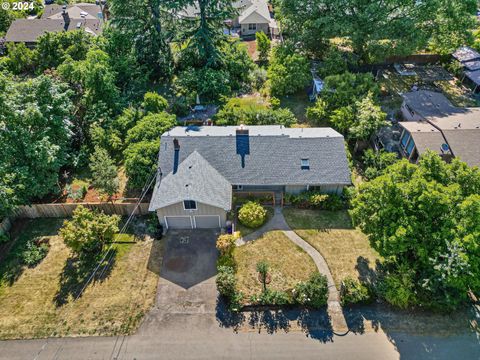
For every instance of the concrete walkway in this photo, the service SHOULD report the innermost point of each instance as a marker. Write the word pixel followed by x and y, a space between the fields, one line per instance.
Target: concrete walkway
pixel 278 222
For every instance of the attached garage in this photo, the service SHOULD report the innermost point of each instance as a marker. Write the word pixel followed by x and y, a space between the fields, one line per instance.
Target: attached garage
pixel 178 222
pixel 207 221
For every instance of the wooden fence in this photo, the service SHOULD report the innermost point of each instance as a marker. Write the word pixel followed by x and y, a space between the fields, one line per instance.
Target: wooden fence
pixel 66 210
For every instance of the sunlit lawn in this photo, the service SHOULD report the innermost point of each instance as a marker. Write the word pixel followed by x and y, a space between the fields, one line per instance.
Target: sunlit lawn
pixel 40 301
pixel 346 249
pixel 289 264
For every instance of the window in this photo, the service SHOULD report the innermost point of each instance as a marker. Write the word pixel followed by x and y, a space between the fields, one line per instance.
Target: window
pixel 237 187
pixel 252 26
pixel 405 138
pixel 410 146
pixel 305 165
pixel 189 205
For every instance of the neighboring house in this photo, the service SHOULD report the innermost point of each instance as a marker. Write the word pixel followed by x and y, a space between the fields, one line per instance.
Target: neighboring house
pixel 253 16
pixel 202 167
pixel 57 18
pixel 470 60
pixel 433 123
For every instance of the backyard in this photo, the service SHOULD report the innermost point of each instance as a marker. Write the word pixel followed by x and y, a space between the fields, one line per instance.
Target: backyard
pixel 346 249
pixel 40 301
pixel 429 77
pixel 288 264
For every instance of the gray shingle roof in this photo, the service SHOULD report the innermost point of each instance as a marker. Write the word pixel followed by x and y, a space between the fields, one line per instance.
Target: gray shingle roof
pixel 195 179
pixel 25 30
pixel 55 9
pixel 272 154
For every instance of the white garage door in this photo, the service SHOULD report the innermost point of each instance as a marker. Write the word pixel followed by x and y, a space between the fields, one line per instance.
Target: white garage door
pixel 178 222
pixel 207 221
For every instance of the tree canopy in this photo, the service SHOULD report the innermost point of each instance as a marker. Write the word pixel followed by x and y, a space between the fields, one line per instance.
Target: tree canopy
pixel 378 29
pixel 36 123
pixel 425 221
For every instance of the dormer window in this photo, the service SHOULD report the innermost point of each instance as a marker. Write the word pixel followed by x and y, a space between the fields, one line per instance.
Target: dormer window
pixel 305 164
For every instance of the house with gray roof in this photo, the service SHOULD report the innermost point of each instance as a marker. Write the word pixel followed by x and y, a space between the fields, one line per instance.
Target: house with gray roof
pixel 201 168
pixel 434 123
pixel 252 16
pixel 57 18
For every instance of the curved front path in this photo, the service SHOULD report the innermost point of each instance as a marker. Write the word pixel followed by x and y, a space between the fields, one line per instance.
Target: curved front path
pixel 278 222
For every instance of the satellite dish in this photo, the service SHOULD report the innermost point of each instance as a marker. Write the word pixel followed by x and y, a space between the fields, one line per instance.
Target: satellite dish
pixel 445 148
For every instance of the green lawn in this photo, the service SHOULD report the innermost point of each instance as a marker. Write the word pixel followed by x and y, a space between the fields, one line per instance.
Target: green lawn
pixel 346 249
pixel 298 104
pixel 289 264
pixel 38 302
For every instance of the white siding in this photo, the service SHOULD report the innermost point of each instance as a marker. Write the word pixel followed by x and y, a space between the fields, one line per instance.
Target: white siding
pixel 202 209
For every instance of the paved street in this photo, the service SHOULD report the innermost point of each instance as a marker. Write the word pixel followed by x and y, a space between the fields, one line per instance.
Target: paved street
pixel 188 322
pixel 199 337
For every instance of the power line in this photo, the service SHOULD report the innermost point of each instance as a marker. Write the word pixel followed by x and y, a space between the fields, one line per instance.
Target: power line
pixel 145 189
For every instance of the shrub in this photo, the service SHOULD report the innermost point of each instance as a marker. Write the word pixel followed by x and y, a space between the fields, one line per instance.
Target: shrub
pixel 271 297
pixel 354 292
pixel 34 253
pixel 333 203
pixel 313 292
pixel 376 162
pixel 88 231
pixel 226 260
pixel 226 282
pixel 225 244
pixel 4 238
pixel 154 103
pixel 253 112
pixel 262 268
pixel 398 289
pixel 288 72
pixel 252 214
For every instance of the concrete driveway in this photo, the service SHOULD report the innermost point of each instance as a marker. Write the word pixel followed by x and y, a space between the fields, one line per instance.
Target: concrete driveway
pixel 187 278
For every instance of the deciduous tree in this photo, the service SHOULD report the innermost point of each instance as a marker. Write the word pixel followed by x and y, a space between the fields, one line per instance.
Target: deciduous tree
pixel 425 218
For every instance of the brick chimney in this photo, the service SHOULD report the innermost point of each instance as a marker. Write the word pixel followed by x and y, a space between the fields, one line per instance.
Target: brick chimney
pixel 66 17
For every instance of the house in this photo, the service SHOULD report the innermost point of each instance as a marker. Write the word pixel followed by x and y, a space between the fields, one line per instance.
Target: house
pixel 57 18
pixel 253 16
pixel 203 167
pixel 433 123
pixel 470 61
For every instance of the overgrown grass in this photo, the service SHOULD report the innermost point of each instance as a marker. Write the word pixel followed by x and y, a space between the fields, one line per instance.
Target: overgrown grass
pixel 456 94
pixel 298 104
pixel 289 264
pixel 40 301
pixel 244 231
pixel 347 250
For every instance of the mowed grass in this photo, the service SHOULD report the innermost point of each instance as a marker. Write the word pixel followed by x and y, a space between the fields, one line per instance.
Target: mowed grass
pixel 346 249
pixel 41 300
pixel 289 264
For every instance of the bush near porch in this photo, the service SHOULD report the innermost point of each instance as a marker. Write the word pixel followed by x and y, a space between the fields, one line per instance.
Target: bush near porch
pixel 38 301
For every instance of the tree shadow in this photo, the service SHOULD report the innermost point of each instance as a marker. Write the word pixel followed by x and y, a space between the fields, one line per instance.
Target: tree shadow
pixel 78 271
pixel 155 258
pixel 366 274
pixel 314 323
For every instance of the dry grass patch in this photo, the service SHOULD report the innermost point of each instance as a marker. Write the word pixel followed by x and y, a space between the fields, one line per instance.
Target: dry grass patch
pixel 113 304
pixel 346 249
pixel 289 264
